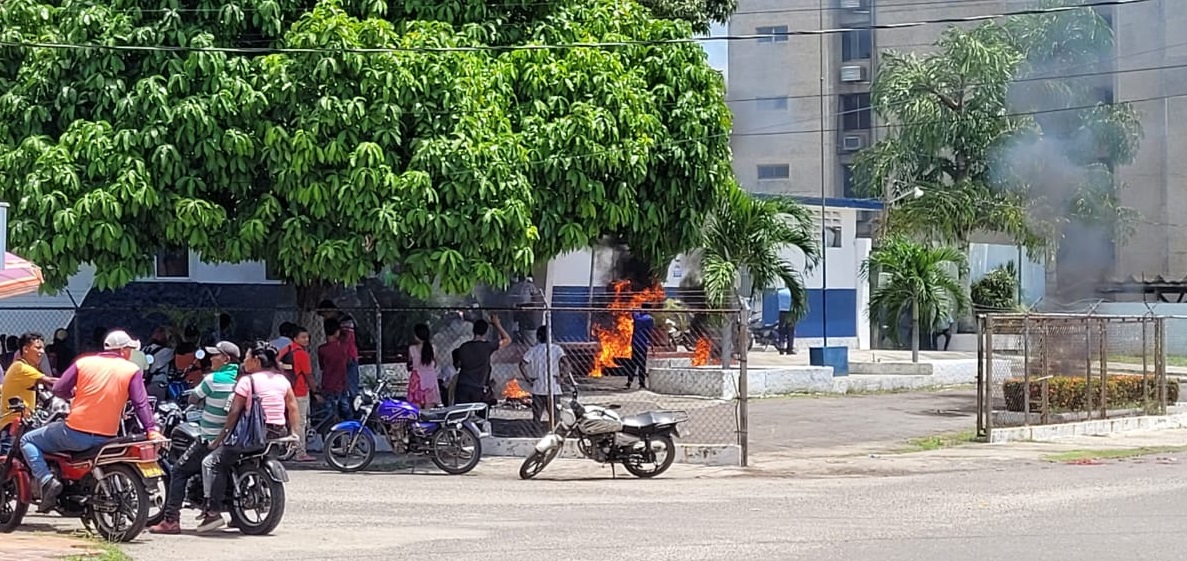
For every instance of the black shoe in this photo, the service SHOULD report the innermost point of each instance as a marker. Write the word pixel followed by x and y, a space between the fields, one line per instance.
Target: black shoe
pixel 49 495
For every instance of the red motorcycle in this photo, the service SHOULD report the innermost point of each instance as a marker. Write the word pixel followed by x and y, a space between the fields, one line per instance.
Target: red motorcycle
pixel 105 486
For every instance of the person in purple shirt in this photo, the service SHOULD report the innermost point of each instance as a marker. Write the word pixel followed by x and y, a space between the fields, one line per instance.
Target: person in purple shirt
pixel 100 385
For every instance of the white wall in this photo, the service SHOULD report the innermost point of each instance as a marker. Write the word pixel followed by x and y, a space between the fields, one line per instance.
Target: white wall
pixel 252 272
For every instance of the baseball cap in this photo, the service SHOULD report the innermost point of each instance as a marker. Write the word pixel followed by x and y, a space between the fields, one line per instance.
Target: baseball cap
pixel 118 339
pixel 224 348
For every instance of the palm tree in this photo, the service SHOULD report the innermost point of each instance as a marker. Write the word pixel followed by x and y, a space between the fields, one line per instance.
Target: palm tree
pixel 746 235
pixel 918 278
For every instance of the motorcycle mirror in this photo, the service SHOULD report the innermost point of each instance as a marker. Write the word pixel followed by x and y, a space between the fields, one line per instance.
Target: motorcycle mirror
pixel 149 359
pixel 199 354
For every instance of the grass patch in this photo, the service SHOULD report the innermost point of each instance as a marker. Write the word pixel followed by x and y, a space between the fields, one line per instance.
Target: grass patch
pixel 943 440
pixel 1112 453
pixel 104 552
pixel 1171 360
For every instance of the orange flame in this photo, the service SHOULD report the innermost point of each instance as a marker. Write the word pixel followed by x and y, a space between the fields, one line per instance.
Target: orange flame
pixel 616 342
pixel 513 391
pixel 700 355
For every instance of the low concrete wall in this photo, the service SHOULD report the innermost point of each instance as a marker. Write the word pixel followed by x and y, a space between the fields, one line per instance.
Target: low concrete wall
pixel 766 382
pixel 1099 427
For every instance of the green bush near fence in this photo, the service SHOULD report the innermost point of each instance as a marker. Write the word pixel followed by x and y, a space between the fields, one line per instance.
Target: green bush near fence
pixel 1070 393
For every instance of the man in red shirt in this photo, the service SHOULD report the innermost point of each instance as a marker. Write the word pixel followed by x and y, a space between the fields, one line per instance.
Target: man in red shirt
pixel 295 361
pixel 333 358
pixel 346 337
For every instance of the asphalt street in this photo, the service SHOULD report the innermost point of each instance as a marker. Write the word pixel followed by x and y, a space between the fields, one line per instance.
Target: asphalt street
pixel 1023 510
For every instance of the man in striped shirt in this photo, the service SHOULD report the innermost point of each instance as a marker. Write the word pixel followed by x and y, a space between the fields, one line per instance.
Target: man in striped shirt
pixel 216 389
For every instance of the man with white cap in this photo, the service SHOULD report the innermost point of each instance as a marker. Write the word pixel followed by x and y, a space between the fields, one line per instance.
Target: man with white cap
pixel 100 385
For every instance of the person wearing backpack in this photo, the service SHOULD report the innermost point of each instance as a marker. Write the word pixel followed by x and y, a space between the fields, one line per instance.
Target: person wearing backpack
pixel 298 367
pixel 261 384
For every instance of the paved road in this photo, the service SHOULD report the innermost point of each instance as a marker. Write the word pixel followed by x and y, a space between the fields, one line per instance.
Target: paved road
pixel 1125 510
pixel 798 423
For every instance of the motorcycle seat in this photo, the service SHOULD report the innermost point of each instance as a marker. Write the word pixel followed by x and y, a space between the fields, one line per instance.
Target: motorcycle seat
pixel 644 422
pixel 439 414
pixel 91 453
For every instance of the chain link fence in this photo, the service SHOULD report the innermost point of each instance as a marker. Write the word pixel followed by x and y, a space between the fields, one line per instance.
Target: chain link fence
pixel 1041 369
pixel 639 351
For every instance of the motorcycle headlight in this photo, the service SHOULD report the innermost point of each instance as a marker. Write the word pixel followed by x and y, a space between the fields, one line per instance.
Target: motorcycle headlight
pixel 358 402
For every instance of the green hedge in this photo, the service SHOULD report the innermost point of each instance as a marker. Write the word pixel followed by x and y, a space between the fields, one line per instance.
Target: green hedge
pixel 1067 393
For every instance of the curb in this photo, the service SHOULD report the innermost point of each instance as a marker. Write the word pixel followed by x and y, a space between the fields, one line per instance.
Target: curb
pixel 1100 427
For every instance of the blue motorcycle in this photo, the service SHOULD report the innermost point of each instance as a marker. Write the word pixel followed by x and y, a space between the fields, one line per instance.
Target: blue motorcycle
pixel 447 435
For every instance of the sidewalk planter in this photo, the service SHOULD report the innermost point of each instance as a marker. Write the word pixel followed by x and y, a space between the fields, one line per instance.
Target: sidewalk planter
pixel 836 357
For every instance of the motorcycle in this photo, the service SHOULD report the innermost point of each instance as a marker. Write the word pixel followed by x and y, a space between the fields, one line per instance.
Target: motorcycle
pixel 766 335
pixel 606 437
pixel 257 478
pixel 447 435
pixel 321 420
pixel 105 486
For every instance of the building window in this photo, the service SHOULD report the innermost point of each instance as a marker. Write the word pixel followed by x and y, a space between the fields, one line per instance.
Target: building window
pixel 773 30
pixel 770 172
pixel 832 236
pixel 173 264
pixel 855 112
pixel 772 103
pixel 856 44
pixel 847 189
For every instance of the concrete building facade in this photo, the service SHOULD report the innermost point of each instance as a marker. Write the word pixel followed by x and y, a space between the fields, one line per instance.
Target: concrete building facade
pixel 801 109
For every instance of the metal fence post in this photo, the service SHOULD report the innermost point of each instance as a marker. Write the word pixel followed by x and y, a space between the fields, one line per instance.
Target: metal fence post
pixel 378 343
pixel 1160 363
pixel 1103 326
pixel 1026 370
pixel 982 387
pixel 743 384
pixel 548 362
pixel 990 381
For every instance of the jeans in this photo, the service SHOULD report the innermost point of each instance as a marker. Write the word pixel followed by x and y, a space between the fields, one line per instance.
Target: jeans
pixel 216 470
pixel 785 334
pixel 55 437
pixel 637 366
pixel 339 404
pixel 352 378
pixel 5 442
pixel 189 465
pixel 470 394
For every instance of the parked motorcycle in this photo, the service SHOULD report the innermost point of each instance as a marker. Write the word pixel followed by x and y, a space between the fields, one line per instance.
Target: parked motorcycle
pixel 766 335
pixel 256 495
pixel 104 486
pixel 608 438
pixel 447 435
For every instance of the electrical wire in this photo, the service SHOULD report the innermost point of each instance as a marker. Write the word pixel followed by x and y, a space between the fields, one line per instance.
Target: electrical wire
pixel 558 46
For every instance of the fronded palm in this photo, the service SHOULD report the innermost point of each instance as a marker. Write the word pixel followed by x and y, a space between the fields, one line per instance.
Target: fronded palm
pixel 919 279
pixel 748 235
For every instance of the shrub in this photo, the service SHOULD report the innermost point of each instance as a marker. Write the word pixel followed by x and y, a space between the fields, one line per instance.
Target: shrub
pixel 997 291
pixel 1067 393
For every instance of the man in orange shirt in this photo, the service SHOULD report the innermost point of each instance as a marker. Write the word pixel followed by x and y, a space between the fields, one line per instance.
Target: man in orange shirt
pixel 100 384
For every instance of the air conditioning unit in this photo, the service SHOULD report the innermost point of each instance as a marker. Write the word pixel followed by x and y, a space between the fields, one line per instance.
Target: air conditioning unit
pixel 853 73
pixel 853 142
pixel 852 4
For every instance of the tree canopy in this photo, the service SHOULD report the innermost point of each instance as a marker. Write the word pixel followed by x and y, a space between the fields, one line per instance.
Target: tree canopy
pixel 1004 129
pixel 336 138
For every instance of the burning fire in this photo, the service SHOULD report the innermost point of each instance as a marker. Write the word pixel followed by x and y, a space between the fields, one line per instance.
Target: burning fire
pixel 700 354
pixel 616 341
pixel 513 391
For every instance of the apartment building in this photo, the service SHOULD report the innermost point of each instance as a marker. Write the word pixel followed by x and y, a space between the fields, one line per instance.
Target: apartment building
pixel 802 111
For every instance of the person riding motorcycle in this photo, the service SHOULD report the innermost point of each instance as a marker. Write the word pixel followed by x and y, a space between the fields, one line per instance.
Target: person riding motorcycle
pixel 100 384
pixel 216 390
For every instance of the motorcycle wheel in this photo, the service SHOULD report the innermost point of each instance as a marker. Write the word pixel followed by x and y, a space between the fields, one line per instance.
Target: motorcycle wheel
pixel 257 489
pixel 125 489
pixel 338 457
pixel 458 444
pixel 534 464
pixel 12 510
pixel 638 469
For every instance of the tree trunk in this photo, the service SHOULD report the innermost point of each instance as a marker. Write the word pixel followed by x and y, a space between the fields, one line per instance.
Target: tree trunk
pixel 308 297
pixel 915 332
pixel 966 322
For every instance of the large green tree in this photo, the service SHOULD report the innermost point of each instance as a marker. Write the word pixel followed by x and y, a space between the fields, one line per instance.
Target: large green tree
pixel 337 138
pixel 1003 128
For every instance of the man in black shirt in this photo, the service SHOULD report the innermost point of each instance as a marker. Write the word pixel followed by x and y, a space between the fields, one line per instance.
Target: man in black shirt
pixel 473 362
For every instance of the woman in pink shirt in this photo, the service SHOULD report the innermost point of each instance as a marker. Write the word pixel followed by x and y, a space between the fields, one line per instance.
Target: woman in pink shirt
pixel 422 367
pixel 261 374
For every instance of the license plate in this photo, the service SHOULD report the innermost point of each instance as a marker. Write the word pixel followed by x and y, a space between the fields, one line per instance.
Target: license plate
pixel 151 471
